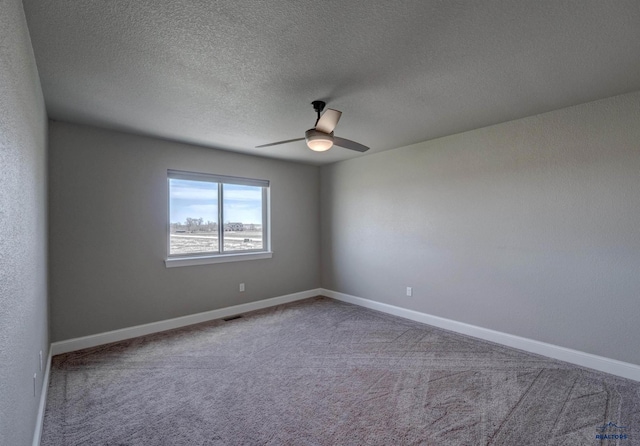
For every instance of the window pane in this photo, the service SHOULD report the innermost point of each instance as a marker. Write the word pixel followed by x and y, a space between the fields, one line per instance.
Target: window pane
pixel 193 216
pixel 242 206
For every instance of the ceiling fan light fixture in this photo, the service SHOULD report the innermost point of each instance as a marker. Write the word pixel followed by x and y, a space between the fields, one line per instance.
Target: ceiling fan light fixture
pixel 318 141
pixel 320 138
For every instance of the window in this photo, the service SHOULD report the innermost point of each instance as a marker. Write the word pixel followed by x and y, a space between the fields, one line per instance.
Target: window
pixel 215 218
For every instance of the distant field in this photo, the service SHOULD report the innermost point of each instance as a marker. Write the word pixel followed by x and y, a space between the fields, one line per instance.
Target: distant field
pixel 189 243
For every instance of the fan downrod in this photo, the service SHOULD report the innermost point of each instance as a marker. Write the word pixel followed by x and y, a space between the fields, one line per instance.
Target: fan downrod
pixel 318 106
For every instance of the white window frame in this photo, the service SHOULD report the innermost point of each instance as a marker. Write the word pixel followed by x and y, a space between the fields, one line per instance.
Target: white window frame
pixel 222 256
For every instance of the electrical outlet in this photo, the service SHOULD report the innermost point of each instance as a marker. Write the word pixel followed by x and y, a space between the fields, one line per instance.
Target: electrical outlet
pixel 409 291
pixel 242 287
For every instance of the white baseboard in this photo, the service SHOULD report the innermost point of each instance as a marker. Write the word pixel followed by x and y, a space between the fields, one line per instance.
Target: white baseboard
pixel 612 366
pixel 71 345
pixel 37 435
pixel 603 364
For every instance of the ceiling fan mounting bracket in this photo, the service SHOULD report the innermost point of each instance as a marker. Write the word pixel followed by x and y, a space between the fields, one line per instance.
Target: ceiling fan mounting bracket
pixel 318 106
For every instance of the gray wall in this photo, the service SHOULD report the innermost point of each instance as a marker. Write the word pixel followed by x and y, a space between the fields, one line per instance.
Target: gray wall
pixel 108 212
pixel 23 222
pixel 530 227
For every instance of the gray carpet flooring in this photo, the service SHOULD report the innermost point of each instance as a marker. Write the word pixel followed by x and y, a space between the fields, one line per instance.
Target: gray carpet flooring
pixel 322 372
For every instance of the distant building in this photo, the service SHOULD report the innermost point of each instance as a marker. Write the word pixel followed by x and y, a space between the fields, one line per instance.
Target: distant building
pixel 233 227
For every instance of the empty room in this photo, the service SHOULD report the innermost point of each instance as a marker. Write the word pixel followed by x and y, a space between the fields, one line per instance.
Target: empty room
pixel 319 223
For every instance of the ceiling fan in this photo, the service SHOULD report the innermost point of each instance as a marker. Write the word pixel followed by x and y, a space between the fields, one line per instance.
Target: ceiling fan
pixel 320 138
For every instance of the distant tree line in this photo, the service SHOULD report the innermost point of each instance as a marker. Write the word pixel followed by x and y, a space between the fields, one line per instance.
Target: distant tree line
pixel 199 225
pixel 195 225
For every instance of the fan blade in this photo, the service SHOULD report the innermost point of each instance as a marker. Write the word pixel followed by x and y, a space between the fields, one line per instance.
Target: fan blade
pixel 280 142
pixel 328 120
pixel 348 144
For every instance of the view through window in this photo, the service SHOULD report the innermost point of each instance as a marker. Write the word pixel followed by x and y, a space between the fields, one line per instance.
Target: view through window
pixel 199 202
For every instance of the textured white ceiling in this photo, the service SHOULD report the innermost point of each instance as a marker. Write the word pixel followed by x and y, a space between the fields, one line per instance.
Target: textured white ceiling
pixel 234 74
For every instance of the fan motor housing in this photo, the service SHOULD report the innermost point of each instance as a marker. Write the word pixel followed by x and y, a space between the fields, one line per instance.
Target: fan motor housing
pixel 318 141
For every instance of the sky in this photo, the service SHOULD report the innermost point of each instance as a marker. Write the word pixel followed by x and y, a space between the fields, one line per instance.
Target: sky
pixel 199 199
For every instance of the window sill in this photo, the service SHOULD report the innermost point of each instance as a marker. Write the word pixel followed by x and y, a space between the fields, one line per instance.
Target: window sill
pixel 205 260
